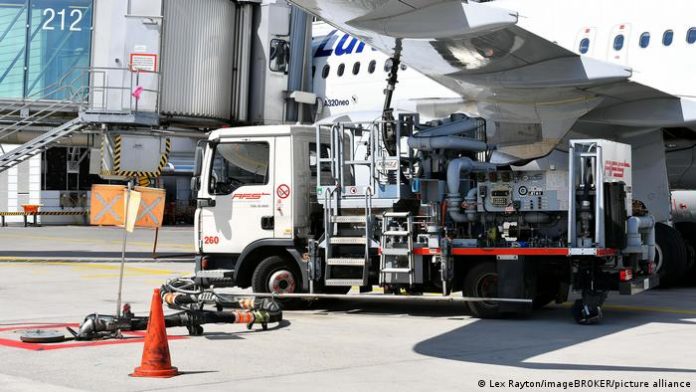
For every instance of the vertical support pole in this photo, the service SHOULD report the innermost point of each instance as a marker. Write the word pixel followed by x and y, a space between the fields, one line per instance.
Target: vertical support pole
pixel 123 250
pixel 154 246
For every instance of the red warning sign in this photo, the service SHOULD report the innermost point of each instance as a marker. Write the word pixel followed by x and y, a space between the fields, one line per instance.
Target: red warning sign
pixel 283 191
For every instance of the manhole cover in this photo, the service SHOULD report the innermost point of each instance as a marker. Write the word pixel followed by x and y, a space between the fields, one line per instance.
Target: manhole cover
pixel 42 336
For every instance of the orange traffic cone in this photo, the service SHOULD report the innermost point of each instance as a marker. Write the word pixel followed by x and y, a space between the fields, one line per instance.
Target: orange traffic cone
pixel 156 361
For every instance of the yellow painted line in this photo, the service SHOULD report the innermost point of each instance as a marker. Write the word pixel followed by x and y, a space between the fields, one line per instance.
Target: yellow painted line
pixel 190 247
pixel 116 267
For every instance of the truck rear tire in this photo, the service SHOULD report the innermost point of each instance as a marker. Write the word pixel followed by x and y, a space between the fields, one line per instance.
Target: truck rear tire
pixel 670 255
pixel 482 281
pixel 276 274
pixel 688 232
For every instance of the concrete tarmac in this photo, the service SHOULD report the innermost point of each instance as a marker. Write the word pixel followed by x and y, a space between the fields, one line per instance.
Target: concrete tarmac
pixel 93 243
pixel 346 345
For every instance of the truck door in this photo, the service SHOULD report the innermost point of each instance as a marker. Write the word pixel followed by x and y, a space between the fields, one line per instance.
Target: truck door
pixel 240 189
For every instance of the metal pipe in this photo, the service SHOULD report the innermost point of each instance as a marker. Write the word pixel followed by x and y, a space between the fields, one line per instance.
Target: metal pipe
pixel 455 169
pixel 634 242
pixel 386 298
pixel 447 142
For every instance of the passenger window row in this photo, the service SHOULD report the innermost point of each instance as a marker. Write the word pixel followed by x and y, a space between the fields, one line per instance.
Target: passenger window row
pixel 341 69
pixel 643 41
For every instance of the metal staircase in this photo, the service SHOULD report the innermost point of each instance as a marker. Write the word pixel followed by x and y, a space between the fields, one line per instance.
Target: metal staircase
pixel 348 243
pixel 36 145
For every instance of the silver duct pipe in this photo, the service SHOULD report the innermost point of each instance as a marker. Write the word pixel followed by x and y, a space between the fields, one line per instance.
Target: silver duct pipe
pixel 447 142
pixel 455 170
pixel 451 128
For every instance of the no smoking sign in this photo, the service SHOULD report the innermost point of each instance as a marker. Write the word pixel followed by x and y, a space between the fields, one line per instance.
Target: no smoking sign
pixel 283 191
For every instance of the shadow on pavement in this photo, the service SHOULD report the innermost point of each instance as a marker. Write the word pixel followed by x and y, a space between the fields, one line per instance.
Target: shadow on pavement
pixel 511 342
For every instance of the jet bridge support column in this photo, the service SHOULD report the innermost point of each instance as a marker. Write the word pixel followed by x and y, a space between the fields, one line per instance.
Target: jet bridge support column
pixel 299 77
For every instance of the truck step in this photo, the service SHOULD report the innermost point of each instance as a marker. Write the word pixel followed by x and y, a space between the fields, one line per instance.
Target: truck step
pixel 397 270
pixel 397 233
pixel 395 252
pixel 348 219
pixel 397 214
pixel 346 261
pixel 344 282
pixel 348 240
pixel 215 274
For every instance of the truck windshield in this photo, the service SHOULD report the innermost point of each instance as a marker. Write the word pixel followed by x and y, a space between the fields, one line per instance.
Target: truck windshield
pixel 238 164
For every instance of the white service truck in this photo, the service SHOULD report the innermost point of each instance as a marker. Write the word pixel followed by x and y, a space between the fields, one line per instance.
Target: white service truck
pixel 413 208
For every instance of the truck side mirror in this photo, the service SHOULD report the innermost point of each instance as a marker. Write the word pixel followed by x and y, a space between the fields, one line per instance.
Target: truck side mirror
pixel 279 57
pixel 197 169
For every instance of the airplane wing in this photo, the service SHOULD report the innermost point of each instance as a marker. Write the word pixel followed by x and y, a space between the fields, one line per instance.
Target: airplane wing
pixel 531 90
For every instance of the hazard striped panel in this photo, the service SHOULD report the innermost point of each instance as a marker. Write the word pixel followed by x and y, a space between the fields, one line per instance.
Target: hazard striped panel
pixel 142 176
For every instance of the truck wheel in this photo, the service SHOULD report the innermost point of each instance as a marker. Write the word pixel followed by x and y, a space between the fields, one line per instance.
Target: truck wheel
pixel 482 281
pixel 688 232
pixel 670 255
pixel 275 275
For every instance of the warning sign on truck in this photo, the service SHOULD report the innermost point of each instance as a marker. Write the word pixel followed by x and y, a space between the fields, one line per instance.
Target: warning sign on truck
pixel 143 62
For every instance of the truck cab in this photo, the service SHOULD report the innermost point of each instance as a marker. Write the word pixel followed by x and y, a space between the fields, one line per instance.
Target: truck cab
pixel 255 201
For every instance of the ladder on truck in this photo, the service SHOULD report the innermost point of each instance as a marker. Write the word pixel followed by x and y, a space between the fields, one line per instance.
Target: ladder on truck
pixel 38 144
pixel 397 249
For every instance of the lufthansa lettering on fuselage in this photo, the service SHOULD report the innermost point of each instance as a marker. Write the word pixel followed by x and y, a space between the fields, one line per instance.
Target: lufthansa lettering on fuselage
pixel 346 45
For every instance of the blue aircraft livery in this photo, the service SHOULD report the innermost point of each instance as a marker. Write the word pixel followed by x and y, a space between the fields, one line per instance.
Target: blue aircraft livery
pixel 346 45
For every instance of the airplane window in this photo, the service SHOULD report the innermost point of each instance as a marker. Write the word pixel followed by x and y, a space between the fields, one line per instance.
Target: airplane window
pixel 619 42
pixel 356 67
pixel 388 65
pixel 325 71
pixel 691 35
pixel 668 37
pixel 403 67
pixel 371 68
pixel 644 40
pixel 341 69
pixel 314 70
pixel 584 45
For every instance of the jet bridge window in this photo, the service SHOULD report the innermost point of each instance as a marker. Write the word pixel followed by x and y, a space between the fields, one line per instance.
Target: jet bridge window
pixel 668 37
pixel 619 42
pixel 644 40
pixel 238 164
pixel 584 45
pixel 341 69
pixel 691 35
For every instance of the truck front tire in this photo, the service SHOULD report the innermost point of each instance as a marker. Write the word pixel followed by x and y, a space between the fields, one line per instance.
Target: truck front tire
pixel 276 274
